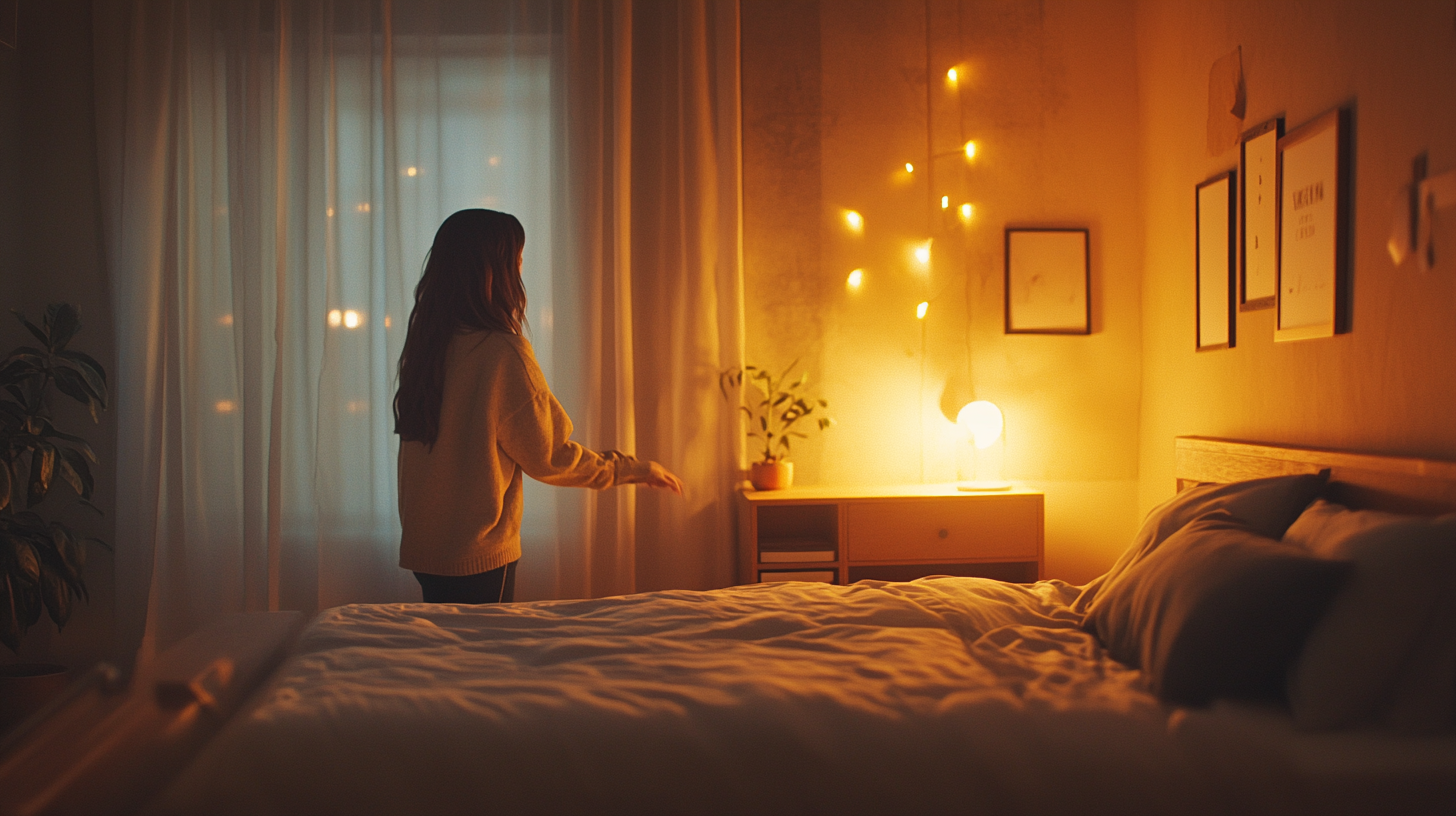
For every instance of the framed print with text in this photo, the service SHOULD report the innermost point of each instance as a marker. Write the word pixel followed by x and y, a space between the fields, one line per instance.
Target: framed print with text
pixel 1215 207
pixel 1048 278
pixel 1314 216
pixel 1259 224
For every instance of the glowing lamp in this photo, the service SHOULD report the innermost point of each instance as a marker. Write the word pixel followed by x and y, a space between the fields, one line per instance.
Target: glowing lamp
pixel 921 309
pixel 983 423
pixel 922 254
pixel 944 202
pixel 855 278
pixel 966 211
pixel 412 171
pixel 351 319
pixel 970 150
pixel 952 75
pixel 909 168
pixel 336 318
pixel 854 220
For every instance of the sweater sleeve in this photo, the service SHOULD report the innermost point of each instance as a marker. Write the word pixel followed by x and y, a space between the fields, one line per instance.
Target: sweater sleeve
pixel 537 436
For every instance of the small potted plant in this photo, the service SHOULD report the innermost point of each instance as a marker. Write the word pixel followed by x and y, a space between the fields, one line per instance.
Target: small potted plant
pixel 41 560
pixel 773 419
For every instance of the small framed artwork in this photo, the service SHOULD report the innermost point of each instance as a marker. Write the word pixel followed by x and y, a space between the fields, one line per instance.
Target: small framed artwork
pixel 1048 279
pixel 1314 212
pixel 1259 227
pixel 1215 206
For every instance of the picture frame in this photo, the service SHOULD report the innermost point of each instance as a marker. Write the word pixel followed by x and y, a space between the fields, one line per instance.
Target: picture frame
pixel 1215 206
pixel 1314 229
pixel 1259 215
pixel 1048 280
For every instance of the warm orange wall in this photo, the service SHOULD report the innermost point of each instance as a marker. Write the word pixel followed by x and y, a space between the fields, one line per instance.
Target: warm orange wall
pixel 834 105
pixel 1390 385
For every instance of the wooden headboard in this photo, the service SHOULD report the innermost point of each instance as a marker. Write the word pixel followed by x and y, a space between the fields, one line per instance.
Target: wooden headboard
pixel 1398 484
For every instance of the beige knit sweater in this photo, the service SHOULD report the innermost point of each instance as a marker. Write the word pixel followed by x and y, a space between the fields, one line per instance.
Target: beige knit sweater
pixel 460 499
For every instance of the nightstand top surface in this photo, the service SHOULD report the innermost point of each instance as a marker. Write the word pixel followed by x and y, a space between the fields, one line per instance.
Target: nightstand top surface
pixel 843 492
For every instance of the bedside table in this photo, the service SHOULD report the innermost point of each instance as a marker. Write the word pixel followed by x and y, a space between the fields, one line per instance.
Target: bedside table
pixel 843 535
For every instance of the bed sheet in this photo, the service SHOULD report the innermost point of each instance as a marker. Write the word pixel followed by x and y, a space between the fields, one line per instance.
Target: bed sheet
pixel 941 695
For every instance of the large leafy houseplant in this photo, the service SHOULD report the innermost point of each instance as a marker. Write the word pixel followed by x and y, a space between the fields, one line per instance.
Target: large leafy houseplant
pixel 41 560
pixel 781 404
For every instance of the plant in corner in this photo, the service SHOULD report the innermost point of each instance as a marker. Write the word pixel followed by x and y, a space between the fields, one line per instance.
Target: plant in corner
pixel 772 419
pixel 41 560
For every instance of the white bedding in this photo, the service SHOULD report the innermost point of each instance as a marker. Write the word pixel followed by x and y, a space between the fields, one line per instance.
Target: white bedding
pixel 948 694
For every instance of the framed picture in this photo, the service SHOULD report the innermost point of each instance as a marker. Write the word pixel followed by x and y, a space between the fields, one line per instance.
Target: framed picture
pixel 1048 278
pixel 1259 226
pixel 1314 216
pixel 1215 206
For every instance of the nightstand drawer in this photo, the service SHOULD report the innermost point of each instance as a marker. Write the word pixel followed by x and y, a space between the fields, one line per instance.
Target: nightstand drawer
pixel 950 528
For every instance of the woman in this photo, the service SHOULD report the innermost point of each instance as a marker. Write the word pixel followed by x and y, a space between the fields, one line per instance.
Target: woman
pixel 473 412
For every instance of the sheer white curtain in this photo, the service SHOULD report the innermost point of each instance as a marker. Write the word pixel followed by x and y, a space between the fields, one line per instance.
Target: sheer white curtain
pixel 272 174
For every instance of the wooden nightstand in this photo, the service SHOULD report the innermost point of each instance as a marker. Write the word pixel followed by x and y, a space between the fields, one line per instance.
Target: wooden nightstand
pixel 843 535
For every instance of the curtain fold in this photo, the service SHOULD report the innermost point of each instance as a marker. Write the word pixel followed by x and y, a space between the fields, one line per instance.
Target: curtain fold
pixel 272 174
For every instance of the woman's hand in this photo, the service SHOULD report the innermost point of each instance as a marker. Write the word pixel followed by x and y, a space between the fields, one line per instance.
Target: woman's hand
pixel 660 477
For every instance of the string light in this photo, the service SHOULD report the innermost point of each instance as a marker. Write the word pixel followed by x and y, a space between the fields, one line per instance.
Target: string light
pixel 922 253
pixel 909 168
pixel 970 150
pixel 855 278
pixel 952 75
pixel 336 318
pixel 854 220
pixel 966 212
pixel 944 202
pixel 921 309
pixel 351 319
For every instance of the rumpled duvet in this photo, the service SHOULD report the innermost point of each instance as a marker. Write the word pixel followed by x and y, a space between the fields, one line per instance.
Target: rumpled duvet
pixel 945 695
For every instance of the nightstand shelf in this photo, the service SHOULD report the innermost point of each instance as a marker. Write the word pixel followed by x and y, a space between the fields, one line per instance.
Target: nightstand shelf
pixel 843 535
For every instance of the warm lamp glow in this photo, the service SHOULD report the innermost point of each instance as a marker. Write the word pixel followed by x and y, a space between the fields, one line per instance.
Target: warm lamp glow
pixel 387 322
pixel 970 150
pixel 351 319
pixel 952 75
pixel 854 220
pixel 855 278
pixel 412 171
pixel 944 202
pixel 224 406
pixel 967 211
pixel 982 421
pixel 921 309
pixel 909 168
pixel 922 253
pixel 336 318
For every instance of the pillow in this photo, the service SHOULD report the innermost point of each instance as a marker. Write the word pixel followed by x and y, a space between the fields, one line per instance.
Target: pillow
pixel 1386 649
pixel 1267 506
pixel 1217 611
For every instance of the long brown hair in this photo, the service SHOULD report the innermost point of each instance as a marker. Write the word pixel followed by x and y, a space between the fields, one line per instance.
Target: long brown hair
pixel 472 282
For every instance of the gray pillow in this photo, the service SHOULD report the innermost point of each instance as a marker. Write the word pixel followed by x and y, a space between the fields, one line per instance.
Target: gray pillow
pixel 1385 652
pixel 1217 611
pixel 1267 506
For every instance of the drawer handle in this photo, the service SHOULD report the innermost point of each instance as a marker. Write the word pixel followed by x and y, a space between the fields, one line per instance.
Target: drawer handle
pixel 944 533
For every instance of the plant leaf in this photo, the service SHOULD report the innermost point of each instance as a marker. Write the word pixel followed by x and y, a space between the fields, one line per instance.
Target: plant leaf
pixel 79 478
pixel 62 322
pixel 57 597
pixel 9 620
pixel 91 373
pixel 34 329
pixel 73 385
pixel 42 468
pixel 70 552
pixel 25 558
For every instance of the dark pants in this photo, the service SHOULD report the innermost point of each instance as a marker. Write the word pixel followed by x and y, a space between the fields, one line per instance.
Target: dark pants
pixel 496 586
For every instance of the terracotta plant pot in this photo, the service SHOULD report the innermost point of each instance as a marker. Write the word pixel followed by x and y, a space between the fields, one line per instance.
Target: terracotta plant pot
pixel 26 687
pixel 771 475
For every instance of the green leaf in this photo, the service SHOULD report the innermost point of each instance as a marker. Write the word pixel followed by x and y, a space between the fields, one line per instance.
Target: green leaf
pixel 57 597
pixel 75 386
pixel 48 431
pixel 94 378
pixel 25 558
pixel 9 621
pixel 62 321
pixel 42 468
pixel 34 329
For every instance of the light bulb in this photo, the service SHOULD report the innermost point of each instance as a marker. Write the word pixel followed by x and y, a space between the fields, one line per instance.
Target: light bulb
pixel 854 220
pixel 922 254
pixel 921 309
pixel 970 150
pixel 983 421
pixel 856 278
pixel 966 211
pixel 952 75
pixel 351 319
pixel 336 318
pixel 944 202
pixel 909 168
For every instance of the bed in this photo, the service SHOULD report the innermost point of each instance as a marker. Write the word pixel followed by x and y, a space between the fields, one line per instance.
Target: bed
pixel 940 695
